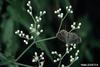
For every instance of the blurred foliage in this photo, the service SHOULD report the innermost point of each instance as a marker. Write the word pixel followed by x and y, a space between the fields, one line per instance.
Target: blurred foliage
pixel 13 16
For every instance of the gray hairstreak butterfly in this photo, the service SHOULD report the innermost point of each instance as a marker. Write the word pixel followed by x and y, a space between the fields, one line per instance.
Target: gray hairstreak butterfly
pixel 68 37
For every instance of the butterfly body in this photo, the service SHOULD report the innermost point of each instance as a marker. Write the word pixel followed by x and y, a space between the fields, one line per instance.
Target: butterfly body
pixel 68 37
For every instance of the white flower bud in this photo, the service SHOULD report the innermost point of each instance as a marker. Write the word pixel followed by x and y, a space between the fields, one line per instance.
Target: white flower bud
pixel 62 65
pixel 54 61
pixel 70 6
pixel 35 53
pixel 71 11
pixel 44 12
pixel 41 31
pixel 80 24
pixel 59 55
pixel 38 26
pixel 66 7
pixel 33 60
pixel 27 36
pixel 58 59
pixel 30 7
pixel 55 12
pixel 41 13
pixel 52 52
pixel 78 27
pixel 38 33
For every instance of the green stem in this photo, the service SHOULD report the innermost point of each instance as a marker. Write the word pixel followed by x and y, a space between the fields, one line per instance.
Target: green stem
pixel 62 59
pixel 23 64
pixel 71 63
pixel 62 22
pixel 25 51
pixel 32 45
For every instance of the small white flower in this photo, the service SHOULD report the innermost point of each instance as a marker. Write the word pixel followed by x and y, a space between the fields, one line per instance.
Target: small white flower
pixel 69 10
pixel 61 15
pixel 59 55
pixel 55 12
pixel 40 18
pixel 30 7
pixel 76 54
pixel 71 49
pixel 66 7
pixel 38 26
pixel 52 52
pixel 44 12
pixel 78 27
pixel 71 56
pixel 74 23
pixel 71 44
pixel 33 60
pixel 31 37
pixel 31 25
pixel 27 36
pixel 66 45
pixel 38 33
pixel 58 59
pixel 62 65
pixel 59 9
pixel 78 51
pixel 41 13
pixel 28 11
pixel 35 53
pixel 70 6
pixel 29 2
pixel 55 52
pixel 41 31
pixel 80 24
pixel 54 61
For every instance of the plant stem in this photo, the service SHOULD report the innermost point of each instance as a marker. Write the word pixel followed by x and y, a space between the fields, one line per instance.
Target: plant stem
pixel 62 22
pixel 62 59
pixel 23 64
pixel 46 39
pixel 71 63
pixel 25 51
pixel 32 45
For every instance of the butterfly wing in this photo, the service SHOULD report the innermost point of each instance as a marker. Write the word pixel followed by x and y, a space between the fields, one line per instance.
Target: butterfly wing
pixel 73 38
pixel 68 37
pixel 62 35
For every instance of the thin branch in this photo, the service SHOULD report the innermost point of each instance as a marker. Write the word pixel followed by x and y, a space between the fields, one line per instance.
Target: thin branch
pixel 62 22
pixel 22 64
pixel 32 45
pixel 62 59
pixel 25 51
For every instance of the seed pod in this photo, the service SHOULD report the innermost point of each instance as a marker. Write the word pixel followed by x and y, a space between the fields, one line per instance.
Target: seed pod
pixel 68 37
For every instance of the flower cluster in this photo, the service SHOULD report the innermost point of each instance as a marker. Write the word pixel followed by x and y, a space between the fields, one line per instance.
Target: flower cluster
pixel 72 59
pixel 23 35
pixel 56 53
pixel 36 30
pixel 38 18
pixel 38 59
pixel 73 26
pixel 30 8
pixel 69 47
pixel 60 15
pixel 69 9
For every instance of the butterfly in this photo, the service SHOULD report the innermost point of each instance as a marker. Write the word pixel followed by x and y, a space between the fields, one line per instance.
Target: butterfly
pixel 68 37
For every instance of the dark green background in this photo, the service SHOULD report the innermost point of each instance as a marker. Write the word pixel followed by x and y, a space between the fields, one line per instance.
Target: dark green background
pixel 13 16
